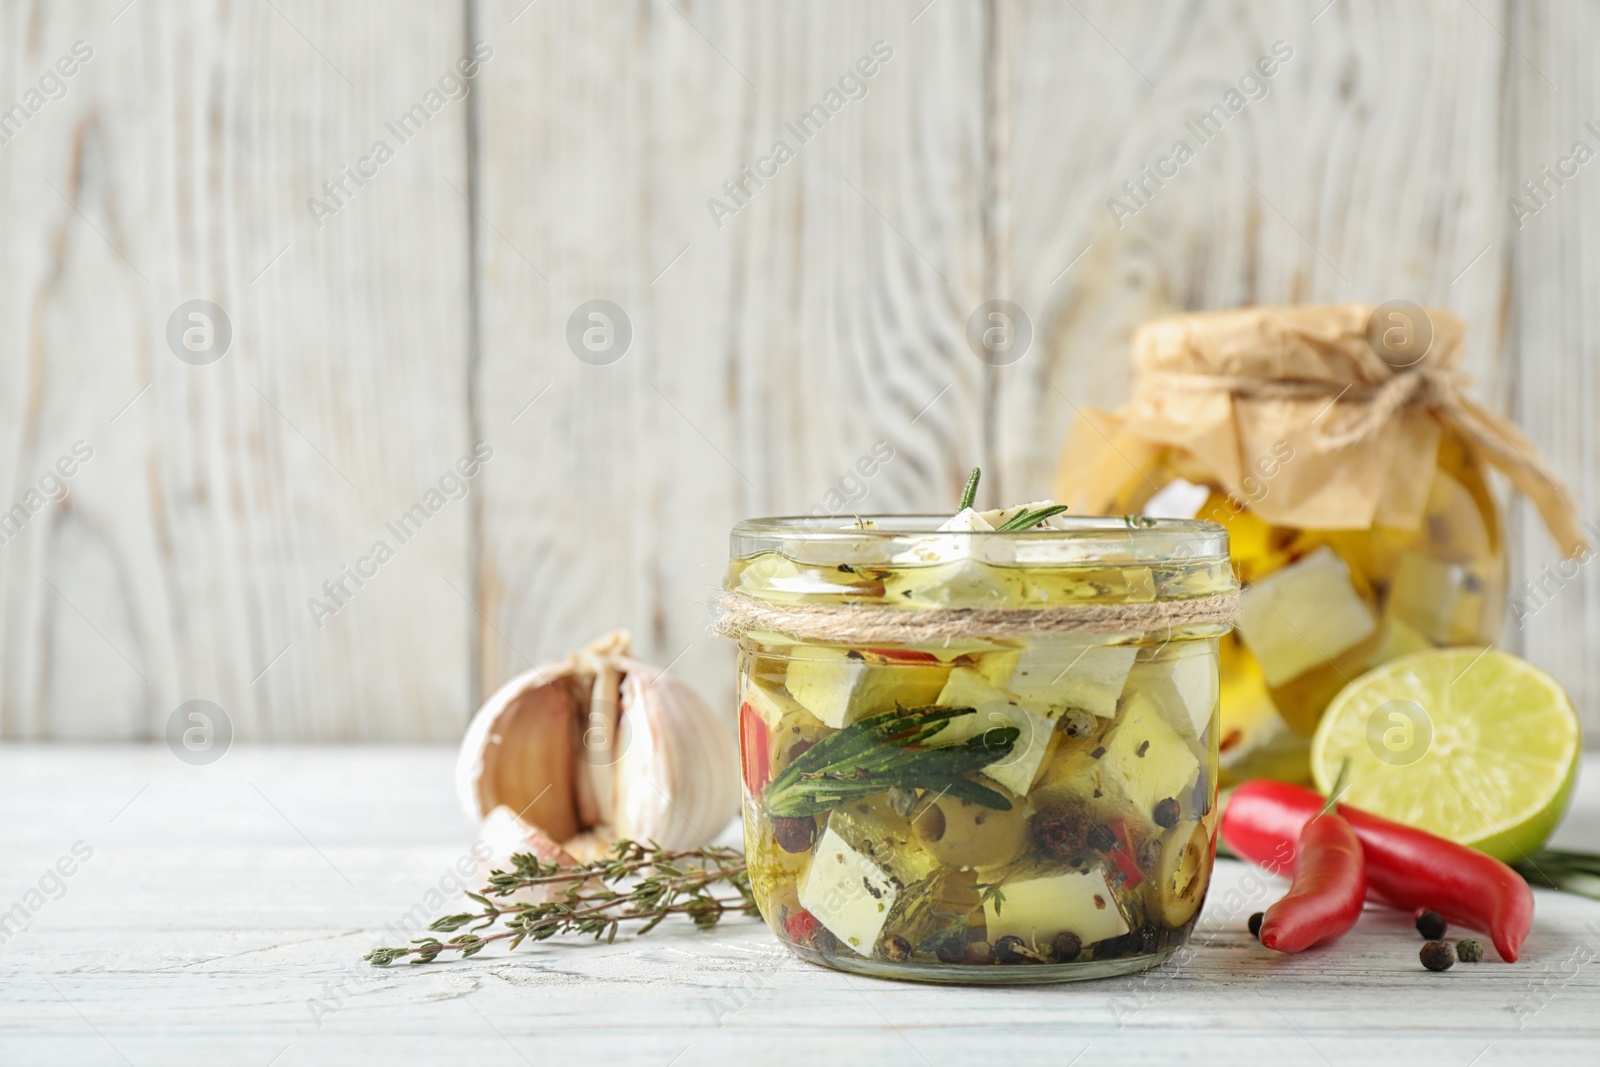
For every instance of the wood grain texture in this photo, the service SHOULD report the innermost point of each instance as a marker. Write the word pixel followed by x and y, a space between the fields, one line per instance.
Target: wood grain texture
pixel 1552 339
pixel 773 348
pixel 223 912
pixel 219 498
pixel 769 354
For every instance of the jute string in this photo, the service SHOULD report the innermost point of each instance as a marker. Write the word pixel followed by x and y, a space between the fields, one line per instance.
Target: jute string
pixel 737 614
pixel 1441 391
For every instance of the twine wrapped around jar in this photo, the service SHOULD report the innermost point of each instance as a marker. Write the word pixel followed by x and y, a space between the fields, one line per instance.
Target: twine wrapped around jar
pixel 736 614
pixel 1215 392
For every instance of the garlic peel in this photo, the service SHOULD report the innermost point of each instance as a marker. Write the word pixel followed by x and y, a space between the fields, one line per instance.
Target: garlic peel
pixel 600 747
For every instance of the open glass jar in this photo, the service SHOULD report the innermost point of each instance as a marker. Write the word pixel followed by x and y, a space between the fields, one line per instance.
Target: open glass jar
pixel 979 757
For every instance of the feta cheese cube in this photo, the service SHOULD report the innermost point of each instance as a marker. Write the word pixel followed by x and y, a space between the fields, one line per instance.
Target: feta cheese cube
pixel 772 705
pixel 848 893
pixel 1017 770
pixel 1146 761
pixel 839 688
pixel 1182 689
pixel 1051 676
pixel 1302 616
pixel 1037 909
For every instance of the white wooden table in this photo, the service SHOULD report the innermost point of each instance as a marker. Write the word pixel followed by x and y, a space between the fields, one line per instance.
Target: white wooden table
pixel 223 912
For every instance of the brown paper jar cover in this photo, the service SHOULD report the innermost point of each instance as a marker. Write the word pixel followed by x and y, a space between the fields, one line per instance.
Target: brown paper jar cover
pixel 1340 436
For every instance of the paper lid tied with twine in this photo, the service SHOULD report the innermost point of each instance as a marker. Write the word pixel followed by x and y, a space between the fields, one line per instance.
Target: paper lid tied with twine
pixel 1357 394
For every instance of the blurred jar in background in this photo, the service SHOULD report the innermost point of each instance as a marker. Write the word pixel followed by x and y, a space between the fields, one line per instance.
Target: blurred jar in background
pixel 1339 447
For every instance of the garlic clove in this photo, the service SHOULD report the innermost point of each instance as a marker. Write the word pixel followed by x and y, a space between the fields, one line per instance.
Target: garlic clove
pixel 504 833
pixel 519 751
pixel 678 768
pixel 599 747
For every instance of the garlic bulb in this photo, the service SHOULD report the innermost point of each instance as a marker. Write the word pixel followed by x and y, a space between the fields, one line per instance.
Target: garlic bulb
pixel 598 748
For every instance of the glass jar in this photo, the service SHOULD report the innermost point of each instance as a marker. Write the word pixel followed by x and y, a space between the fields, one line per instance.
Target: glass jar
pixel 1322 607
pixel 942 780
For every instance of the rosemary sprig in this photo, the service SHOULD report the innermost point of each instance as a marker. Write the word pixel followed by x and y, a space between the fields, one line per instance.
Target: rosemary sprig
pixel 1027 520
pixel 887 751
pixel 970 493
pixel 594 900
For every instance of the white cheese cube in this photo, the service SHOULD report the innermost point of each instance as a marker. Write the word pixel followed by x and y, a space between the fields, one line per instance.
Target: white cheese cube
pixel 1442 601
pixel 848 893
pixel 1302 616
pixel 773 706
pixel 1182 689
pixel 1146 761
pixel 1049 678
pixel 1178 499
pixel 1038 909
pixel 1017 770
pixel 839 688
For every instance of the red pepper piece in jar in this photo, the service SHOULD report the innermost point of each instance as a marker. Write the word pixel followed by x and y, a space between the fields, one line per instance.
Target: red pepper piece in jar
pixel 1408 868
pixel 903 655
pixel 800 925
pixel 755 749
pixel 1330 886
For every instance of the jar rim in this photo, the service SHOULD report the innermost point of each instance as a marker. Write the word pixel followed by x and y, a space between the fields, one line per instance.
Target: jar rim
pixel 894 540
pixel 914 524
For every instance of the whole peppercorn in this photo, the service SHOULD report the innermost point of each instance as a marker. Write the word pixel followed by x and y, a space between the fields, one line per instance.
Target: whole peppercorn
pixel 1102 838
pixel 952 950
pixel 795 834
pixel 1255 924
pixel 1065 947
pixel 1166 813
pixel 1431 925
pixel 1437 955
pixel 1469 951
pixel 896 948
pixel 823 941
pixel 1010 949
pixel 1060 831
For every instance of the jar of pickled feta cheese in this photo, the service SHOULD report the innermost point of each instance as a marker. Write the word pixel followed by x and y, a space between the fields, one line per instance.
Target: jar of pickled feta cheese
pixel 979 756
pixel 1340 448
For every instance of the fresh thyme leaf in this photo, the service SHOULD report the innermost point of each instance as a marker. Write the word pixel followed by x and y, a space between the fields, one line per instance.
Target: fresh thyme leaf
pixel 886 752
pixel 1027 520
pixel 970 493
pixel 590 899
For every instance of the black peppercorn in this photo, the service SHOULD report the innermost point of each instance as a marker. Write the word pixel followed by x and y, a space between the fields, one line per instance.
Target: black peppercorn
pixel 1010 949
pixel 1060 831
pixel 1437 955
pixel 1431 925
pixel 1102 839
pixel 796 834
pixel 1468 950
pixel 1166 813
pixel 896 948
pixel 1065 947
pixel 952 950
pixel 1255 924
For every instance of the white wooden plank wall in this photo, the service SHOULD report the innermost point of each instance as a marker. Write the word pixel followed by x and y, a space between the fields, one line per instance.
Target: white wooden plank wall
pixel 772 348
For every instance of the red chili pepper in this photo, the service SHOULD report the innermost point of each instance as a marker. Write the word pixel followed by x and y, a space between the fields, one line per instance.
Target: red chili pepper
pixel 755 746
pixel 1408 868
pixel 1122 855
pixel 1330 885
pixel 904 655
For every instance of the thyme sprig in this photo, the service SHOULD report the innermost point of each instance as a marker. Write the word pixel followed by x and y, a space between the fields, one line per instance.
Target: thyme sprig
pixel 887 751
pixel 636 882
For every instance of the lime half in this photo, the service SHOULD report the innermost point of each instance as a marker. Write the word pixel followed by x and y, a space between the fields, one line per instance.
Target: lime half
pixel 1472 744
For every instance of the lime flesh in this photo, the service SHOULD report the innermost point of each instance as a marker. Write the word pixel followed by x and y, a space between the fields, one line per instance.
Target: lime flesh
pixel 1475 745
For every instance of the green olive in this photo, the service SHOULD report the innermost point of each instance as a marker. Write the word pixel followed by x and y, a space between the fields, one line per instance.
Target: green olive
pixel 964 835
